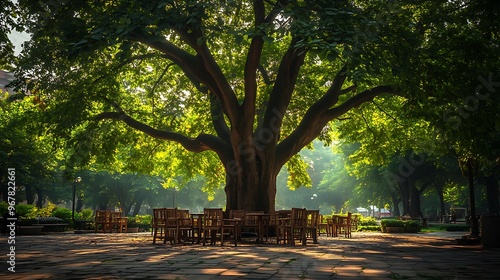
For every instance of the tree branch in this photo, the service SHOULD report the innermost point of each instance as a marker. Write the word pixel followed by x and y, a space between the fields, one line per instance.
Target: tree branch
pixel 359 99
pixel 201 68
pixel 331 96
pixel 251 65
pixel 283 87
pixel 218 118
pixel 314 121
pixel 202 142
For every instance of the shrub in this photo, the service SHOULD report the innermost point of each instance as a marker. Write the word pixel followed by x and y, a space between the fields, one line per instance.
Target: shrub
pixel 26 211
pixel 47 210
pixel 412 223
pixel 369 228
pixel 455 227
pixel 85 214
pixel 367 221
pixel 62 213
pixel 412 226
pixel 392 223
pixel 141 221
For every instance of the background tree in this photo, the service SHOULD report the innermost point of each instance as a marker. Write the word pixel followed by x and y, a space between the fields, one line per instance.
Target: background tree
pixel 7 24
pixel 36 163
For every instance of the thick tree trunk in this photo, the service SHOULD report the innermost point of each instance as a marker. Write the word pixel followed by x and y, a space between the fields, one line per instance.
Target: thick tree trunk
pixel 414 199
pixel 395 202
pixel 439 191
pixel 39 199
pixel 250 195
pixel 251 186
pixel 472 199
pixel 137 207
pixel 405 197
pixel 30 196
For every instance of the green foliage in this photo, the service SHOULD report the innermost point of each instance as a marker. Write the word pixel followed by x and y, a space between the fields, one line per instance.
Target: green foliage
pixel 63 213
pixel 141 221
pixel 369 228
pixel 448 227
pixel 47 211
pixel 412 223
pixel 412 226
pixel 298 176
pixel 3 208
pixel 367 221
pixel 26 211
pixel 392 223
pixel 85 214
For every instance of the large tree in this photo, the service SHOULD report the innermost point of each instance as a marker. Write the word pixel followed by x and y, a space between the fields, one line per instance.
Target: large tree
pixel 253 82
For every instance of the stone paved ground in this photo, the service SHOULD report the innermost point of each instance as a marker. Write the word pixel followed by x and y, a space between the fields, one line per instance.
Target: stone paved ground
pixel 133 256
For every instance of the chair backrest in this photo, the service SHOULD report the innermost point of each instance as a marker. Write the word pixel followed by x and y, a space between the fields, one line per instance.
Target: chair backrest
pixel 171 217
pixel 164 216
pixel 102 216
pixel 184 219
pixel 313 218
pixel 158 216
pixel 299 217
pixel 212 217
pixel 114 215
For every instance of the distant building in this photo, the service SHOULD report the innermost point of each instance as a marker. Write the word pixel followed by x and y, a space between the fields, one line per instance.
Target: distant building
pixel 5 79
pixel 374 211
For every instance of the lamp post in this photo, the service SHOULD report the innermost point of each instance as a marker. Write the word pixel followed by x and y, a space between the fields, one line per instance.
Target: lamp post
pixel 77 180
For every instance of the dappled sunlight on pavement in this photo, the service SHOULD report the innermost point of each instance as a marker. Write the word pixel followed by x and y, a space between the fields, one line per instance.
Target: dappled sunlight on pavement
pixel 365 256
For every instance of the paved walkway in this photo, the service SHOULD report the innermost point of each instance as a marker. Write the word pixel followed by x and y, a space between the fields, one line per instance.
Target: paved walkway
pixel 133 256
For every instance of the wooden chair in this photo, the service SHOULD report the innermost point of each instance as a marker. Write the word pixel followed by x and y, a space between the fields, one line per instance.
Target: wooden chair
pixel 164 224
pixel 102 221
pixel 293 227
pixel 170 225
pixel 312 225
pixel 214 224
pixel 185 226
pixel 355 221
pixel 323 227
pixel 117 222
pixel 345 225
pixel 274 216
pixel 334 224
pixel 158 224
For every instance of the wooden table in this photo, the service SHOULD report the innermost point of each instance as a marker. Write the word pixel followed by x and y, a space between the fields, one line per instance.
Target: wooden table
pixel 262 218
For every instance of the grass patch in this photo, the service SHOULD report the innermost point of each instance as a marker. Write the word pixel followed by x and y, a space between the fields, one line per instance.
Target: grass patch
pixel 446 227
pixel 369 228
